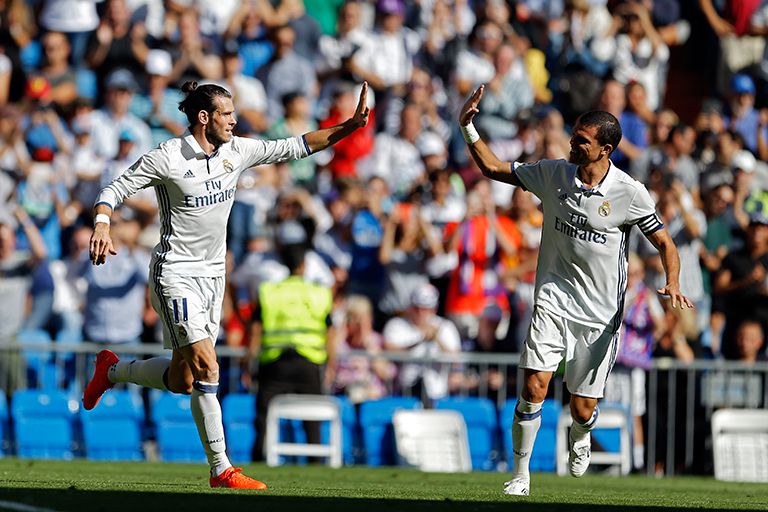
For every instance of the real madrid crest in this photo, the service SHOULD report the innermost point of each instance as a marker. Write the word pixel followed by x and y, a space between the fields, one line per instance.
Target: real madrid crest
pixel 182 332
pixel 228 166
pixel 604 209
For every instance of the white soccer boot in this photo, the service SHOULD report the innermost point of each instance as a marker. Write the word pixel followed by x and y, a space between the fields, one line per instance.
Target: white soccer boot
pixel 519 486
pixel 579 454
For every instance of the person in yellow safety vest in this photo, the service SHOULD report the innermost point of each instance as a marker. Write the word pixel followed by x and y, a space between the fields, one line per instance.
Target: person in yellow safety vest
pixel 291 334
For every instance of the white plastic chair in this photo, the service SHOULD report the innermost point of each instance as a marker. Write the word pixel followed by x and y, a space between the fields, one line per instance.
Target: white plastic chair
pixel 432 440
pixel 740 444
pixel 610 417
pixel 305 408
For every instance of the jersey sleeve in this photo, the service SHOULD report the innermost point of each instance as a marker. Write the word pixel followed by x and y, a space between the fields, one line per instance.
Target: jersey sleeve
pixel 642 211
pixel 535 177
pixel 257 151
pixel 149 170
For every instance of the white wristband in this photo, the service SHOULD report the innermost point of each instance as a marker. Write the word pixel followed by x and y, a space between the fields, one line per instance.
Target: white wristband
pixel 470 133
pixel 101 217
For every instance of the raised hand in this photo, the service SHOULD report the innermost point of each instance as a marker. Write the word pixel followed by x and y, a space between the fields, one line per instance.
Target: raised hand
pixel 101 244
pixel 362 110
pixel 469 109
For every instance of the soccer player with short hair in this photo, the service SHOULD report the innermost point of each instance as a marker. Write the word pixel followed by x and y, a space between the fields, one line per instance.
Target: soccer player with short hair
pixel 195 177
pixel 589 207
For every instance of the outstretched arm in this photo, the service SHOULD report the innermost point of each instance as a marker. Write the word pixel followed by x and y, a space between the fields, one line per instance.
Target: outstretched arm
pixel 488 163
pixel 321 139
pixel 671 261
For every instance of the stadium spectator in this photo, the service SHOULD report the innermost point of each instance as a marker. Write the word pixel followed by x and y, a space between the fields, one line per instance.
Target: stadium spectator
pixel 14 155
pixel 742 283
pixel 297 119
pixel 16 268
pixel 744 118
pixel 286 72
pixel 108 122
pixel 361 378
pixel 117 43
pixel 195 55
pixel 347 153
pixel 423 334
pixel 643 324
pixel 482 242
pixel 57 71
pixel 86 166
pixel 292 335
pixel 406 248
pixel 247 92
pixel 157 103
pixel 671 160
pixel 117 295
pixel 247 26
pixel 75 19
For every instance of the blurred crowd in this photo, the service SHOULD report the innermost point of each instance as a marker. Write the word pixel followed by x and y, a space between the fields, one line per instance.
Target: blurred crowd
pixel 422 253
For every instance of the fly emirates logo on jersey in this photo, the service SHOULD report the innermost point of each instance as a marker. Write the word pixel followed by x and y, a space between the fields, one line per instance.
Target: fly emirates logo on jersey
pixel 574 229
pixel 214 194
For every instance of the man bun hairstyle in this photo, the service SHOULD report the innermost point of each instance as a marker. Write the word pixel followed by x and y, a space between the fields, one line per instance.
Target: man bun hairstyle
pixel 608 127
pixel 200 97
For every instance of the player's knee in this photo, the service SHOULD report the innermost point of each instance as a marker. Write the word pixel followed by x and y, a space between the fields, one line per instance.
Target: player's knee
pixel 535 390
pixel 582 412
pixel 207 372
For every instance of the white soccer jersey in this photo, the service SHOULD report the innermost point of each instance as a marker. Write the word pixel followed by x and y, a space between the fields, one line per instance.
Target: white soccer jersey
pixel 195 193
pixel 582 267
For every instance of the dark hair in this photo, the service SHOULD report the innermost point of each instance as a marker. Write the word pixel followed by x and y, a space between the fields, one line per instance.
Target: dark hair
pixel 287 98
pixel 678 129
pixel 200 98
pixel 292 256
pixel 608 127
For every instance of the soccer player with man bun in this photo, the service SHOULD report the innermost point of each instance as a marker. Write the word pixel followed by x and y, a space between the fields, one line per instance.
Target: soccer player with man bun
pixel 589 207
pixel 195 177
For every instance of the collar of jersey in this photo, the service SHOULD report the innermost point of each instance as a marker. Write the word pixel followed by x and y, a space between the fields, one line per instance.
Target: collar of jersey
pixel 598 189
pixel 192 143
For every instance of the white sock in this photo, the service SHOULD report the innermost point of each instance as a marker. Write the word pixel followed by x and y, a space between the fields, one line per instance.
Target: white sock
pixel 581 429
pixel 524 428
pixel 638 453
pixel 148 372
pixel 206 411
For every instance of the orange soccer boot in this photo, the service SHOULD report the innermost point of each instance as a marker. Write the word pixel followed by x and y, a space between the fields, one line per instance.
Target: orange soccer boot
pixel 232 478
pixel 100 382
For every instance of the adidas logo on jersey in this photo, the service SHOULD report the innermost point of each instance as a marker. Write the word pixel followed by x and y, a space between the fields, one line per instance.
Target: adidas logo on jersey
pixel 189 174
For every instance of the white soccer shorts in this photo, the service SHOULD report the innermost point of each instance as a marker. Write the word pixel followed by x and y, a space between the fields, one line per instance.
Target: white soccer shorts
pixel 189 307
pixel 589 352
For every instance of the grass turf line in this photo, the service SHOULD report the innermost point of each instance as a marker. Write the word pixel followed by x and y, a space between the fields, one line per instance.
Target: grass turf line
pixel 141 487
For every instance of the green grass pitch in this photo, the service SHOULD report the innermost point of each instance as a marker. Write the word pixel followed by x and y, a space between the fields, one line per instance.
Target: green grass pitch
pixel 140 487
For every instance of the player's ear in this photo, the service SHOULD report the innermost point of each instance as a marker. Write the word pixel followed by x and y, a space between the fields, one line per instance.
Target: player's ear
pixel 608 149
pixel 203 117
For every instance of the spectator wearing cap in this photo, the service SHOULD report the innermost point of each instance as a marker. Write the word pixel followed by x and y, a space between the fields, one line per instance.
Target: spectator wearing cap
pixel 117 43
pixel 287 71
pixel 111 120
pixel 292 335
pixel 742 282
pixel 423 334
pixel 751 186
pixel 158 104
pixel 744 117
pixel 248 93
